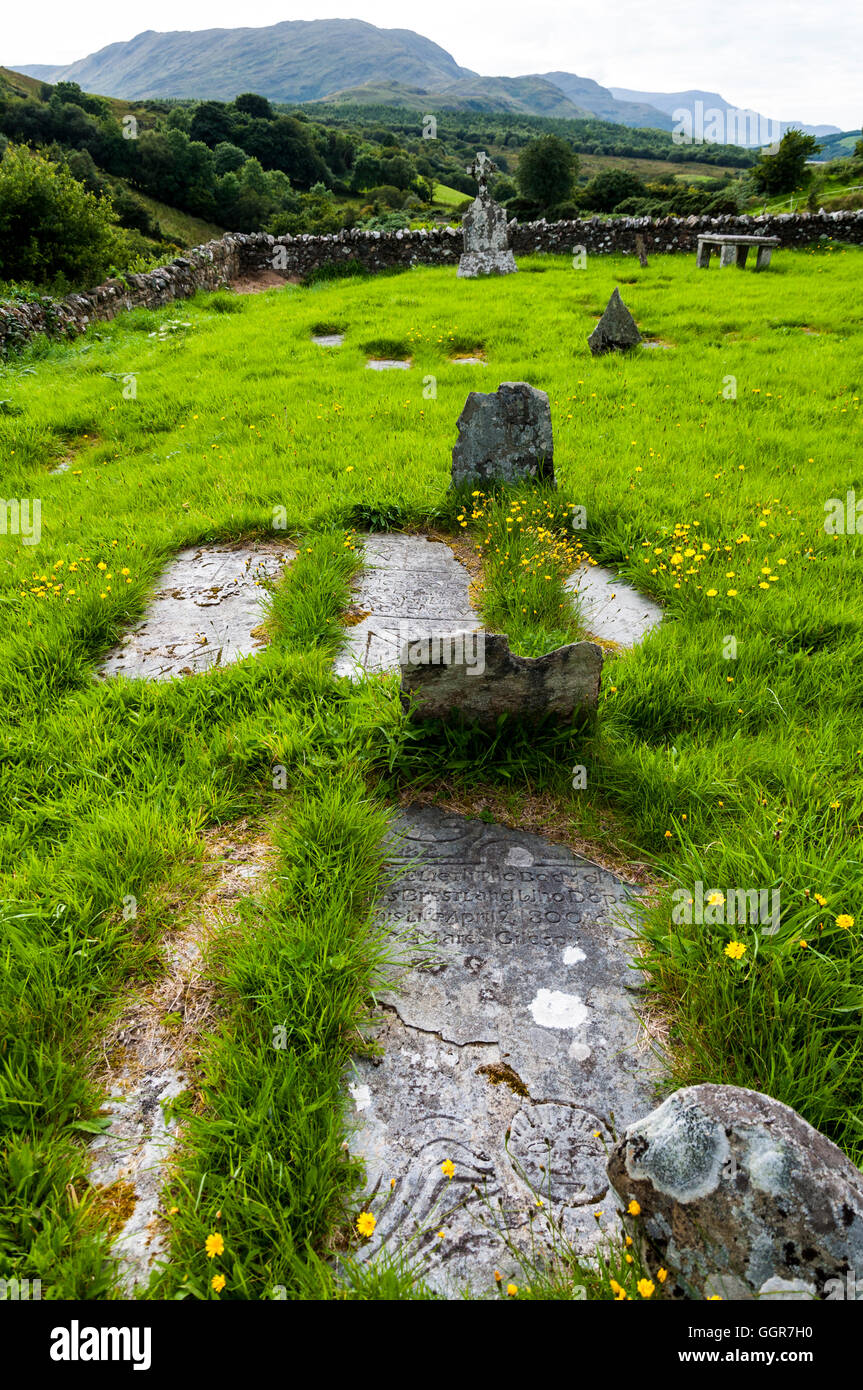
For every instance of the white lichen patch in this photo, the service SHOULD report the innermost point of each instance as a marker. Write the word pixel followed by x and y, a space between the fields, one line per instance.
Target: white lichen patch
pixel 553 1009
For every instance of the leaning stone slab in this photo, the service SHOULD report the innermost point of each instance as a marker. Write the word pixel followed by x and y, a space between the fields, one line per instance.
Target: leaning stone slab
pixel 205 613
pixel 508 1040
pixel 616 331
pixel 477 681
pixel 611 610
pixel 411 587
pixel 504 436
pixel 740 1197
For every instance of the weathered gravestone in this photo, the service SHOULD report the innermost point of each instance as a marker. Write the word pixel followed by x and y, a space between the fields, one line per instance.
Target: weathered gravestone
pixel 504 436
pixel 410 587
pixel 474 678
pixel 510 1047
pixel 616 331
pixel 740 1197
pixel 207 611
pixel 484 229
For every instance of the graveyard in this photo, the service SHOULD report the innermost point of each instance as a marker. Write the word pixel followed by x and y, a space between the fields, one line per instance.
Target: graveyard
pixel 319 991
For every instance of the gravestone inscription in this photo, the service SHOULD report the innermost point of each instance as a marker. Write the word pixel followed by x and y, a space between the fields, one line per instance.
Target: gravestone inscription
pixel 509 1041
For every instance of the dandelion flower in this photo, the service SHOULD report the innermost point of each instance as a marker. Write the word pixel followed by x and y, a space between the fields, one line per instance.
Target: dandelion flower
pixel 366 1223
pixel 214 1245
pixel 448 1168
pixel 735 949
pixel 217 1283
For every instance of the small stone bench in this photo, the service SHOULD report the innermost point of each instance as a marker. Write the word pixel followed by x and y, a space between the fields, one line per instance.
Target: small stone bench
pixel 733 250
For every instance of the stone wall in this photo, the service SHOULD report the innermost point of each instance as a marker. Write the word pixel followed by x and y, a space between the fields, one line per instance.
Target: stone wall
pixel 205 267
pixel 219 262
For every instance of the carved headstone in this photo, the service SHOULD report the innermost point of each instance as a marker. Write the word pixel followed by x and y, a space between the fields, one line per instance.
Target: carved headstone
pixel 504 436
pixel 508 1042
pixel 473 678
pixel 484 228
pixel 616 330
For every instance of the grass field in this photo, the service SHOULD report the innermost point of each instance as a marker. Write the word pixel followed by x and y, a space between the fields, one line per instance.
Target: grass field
pixel 727 751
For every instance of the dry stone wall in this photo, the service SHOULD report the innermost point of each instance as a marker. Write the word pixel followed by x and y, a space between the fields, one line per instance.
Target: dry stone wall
pixel 219 262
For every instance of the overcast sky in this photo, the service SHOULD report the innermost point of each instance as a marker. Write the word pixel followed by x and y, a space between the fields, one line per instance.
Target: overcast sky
pixel 791 59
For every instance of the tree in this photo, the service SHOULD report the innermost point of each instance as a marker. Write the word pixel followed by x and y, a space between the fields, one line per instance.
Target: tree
pixel 52 231
pixel 547 170
pixel 228 158
pixel 785 170
pixel 211 123
pixel 610 187
pixel 250 104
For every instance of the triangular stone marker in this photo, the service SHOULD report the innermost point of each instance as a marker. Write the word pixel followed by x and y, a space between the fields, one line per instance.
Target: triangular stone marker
pixel 616 330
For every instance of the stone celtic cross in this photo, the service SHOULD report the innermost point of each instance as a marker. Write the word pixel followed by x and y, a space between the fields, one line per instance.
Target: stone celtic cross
pixel 482 170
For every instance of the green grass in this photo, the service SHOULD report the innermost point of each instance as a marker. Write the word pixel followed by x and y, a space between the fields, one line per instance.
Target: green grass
pixel 180 227
pixel 737 771
pixel 448 197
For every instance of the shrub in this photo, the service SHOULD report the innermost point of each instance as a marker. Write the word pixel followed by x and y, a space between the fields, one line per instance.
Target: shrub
pixel 52 231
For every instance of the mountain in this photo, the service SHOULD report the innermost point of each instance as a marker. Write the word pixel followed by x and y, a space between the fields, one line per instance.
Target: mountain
pixel 532 96
pixel 349 60
pixel 669 102
pixel 603 103
pixel 297 60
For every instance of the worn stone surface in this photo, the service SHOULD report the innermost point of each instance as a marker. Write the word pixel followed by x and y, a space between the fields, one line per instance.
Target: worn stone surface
pixel 611 610
pixel 477 682
pixel 616 331
pixel 411 587
pixel 388 364
pixel 504 436
pixel 328 339
pixel 509 1041
pixel 485 235
pixel 740 1197
pixel 205 613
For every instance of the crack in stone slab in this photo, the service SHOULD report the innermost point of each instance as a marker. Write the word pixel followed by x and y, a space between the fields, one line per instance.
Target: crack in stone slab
pixel 205 613
pixel 411 588
pixel 610 609
pixel 509 915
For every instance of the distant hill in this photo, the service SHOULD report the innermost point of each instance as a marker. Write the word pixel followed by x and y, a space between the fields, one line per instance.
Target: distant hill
pixel 297 60
pixel 669 102
pixel 602 102
pixel 532 96
pixel 348 60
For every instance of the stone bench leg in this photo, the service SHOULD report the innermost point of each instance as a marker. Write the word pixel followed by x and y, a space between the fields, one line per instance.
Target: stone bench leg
pixel 762 260
pixel 702 260
pixel 728 256
pixel 742 253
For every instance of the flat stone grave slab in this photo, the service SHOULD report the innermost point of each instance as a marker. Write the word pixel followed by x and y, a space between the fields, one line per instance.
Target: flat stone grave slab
pixel 469 361
pixel 611 610
pixel 387 364
pixel 205 613
pixel 411 587
pixel 328 339
pixel 510 1047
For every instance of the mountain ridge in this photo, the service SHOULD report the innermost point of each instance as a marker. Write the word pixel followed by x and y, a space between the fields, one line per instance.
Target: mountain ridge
pixel 298 61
